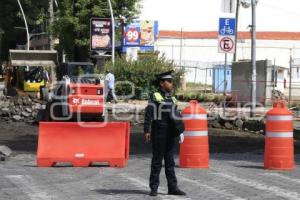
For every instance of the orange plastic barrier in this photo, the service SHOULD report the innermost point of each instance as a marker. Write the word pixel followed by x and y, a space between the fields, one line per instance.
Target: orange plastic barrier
pixel 279 142
pixel 194 151
pixel 81 146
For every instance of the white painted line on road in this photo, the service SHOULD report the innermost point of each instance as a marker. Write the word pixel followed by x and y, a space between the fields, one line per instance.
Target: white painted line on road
pixel 283 177
pixel 29 187
pixel 221 192
pixel 141 183
pixel 277 191
pixel 137 182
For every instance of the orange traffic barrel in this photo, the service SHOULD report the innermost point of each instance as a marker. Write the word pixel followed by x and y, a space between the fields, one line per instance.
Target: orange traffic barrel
pixel 194 151
pixel 279 142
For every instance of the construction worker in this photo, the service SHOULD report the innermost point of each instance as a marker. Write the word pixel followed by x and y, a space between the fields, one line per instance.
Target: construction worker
pixel 159 129
pixel 110 86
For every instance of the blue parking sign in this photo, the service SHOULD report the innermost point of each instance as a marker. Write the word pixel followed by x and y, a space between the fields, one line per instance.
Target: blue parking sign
pixel 227 26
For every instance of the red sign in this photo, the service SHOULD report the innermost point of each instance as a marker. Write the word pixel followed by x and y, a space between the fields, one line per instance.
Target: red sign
pixel 226 44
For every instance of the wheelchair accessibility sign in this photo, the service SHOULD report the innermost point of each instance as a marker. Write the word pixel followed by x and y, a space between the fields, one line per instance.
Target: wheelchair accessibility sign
pixel 227 33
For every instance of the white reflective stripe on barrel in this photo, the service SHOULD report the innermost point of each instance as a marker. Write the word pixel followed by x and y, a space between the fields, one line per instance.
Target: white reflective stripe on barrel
pixel 195 133
pixel 279 117
pixel 194 116
pixel 280 134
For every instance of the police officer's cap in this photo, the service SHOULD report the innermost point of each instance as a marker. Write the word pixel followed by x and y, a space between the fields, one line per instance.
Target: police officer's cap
pixel 165 75
pixel 162 76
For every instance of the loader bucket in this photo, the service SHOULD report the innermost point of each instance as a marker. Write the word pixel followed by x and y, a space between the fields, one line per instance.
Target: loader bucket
pixel 43 58
pixel 96 142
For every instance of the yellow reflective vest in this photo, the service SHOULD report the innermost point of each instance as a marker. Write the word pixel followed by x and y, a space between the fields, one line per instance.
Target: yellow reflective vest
pixel 159 98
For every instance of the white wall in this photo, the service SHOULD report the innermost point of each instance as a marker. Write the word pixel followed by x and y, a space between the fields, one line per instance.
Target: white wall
pixel 204 54
pixel 206 50
pixel 197 15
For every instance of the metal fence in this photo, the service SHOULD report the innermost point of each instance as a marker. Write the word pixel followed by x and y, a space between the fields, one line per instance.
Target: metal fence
pixel 285 56
pixel 205 73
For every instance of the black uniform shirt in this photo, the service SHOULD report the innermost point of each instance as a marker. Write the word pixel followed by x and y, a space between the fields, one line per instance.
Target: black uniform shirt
pixel 152 110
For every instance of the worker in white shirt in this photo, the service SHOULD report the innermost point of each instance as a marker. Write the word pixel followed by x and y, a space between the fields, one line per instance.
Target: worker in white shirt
pixel 110 86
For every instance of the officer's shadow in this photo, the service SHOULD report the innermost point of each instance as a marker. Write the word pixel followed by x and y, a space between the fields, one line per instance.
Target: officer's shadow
pixel 121 191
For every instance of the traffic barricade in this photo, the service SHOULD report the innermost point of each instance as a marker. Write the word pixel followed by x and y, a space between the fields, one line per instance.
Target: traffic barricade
pixel 95 142
pixel 279 141
pixel 194 151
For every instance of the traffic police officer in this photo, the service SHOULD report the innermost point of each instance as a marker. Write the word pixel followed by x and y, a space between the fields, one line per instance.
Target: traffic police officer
pixel 158 128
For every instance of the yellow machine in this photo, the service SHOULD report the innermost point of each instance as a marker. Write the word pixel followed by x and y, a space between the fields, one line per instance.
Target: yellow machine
pixel 33 87
pixel 28 68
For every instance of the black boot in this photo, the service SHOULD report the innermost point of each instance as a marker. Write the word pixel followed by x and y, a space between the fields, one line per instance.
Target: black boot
pixel 177 192
pixel 153 193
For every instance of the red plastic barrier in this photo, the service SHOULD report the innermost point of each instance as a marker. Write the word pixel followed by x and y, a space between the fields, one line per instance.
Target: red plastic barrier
pixel 69 142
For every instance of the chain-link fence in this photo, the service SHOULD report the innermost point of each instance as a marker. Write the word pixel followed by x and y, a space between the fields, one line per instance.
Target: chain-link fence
pixel 293 92
pixel 210 76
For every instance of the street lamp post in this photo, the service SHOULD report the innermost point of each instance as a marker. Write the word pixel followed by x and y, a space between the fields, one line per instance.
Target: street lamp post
pixel 27 31
pixel 113 32
pixel 237 10
pixel 247 4
pixel 253 55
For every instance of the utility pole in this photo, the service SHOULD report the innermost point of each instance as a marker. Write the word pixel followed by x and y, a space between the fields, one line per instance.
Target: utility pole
pixel 253 56
pixel 290 81
pixel 237 10
pixel 113 32
pixel 51 20
pixel 183 81
pixel 26 26
pixel 180 55
pixel 225 86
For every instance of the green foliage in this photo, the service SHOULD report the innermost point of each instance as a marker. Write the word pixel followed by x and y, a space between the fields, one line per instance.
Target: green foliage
pixel 73 20
pixel 11 17
pixel 201 97
pixel 294 104
pixel 10 14
pixel 71 25
pixel 141 73
pixel 194 85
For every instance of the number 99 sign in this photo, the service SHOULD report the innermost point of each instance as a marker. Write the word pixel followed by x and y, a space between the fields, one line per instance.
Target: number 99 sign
pixel 132 35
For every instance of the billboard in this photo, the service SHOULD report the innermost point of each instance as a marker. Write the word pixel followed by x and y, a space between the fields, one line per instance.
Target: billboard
pixel 132 34
pixel 100 34
pixel 141 34
pixel 148 33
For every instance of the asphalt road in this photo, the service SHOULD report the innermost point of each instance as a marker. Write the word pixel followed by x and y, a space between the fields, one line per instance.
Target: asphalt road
pixel 235 172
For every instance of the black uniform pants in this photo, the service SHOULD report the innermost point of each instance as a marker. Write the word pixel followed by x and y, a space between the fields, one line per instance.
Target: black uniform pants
pixel 163 148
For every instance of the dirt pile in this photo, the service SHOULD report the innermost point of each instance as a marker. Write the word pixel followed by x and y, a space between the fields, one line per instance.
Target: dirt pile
pixel 254 124
pixel 20 109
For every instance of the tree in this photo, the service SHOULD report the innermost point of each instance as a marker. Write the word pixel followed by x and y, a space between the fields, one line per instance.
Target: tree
pixel 11 17
pixel 73 19
pixel 141 74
